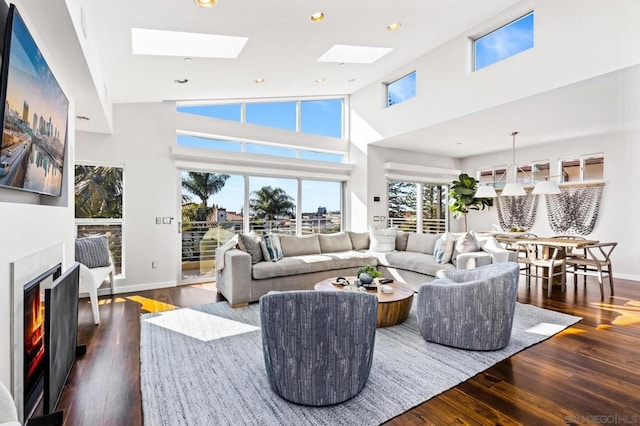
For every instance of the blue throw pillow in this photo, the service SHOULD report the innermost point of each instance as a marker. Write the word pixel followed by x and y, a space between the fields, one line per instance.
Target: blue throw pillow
pixel 271 247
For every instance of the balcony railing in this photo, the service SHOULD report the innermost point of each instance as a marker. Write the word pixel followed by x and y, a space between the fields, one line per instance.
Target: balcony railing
pixel 201 239
pixel 429 226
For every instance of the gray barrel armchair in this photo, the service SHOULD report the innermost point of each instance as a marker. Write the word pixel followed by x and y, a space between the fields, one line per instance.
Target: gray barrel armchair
pixel 318 345
pixel 470 309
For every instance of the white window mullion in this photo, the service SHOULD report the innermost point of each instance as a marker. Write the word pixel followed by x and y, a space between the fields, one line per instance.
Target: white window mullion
pixel 419 204
pixel 245 208
pixel 299 208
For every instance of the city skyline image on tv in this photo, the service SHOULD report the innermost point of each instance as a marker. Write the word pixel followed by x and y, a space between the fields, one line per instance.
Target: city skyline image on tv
pixel 35 117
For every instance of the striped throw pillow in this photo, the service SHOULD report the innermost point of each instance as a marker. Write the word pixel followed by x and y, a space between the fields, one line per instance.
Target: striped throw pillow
pixel 271 247
pixel 93 252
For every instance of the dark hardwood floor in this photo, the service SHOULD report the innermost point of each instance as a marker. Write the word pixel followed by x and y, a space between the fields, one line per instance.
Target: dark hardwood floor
pixel 588 374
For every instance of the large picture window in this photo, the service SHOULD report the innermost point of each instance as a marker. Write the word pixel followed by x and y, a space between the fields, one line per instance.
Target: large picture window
pixel 99 193
pixel 216 206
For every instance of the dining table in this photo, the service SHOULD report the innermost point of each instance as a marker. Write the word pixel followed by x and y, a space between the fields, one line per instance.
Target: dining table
pixel 547 246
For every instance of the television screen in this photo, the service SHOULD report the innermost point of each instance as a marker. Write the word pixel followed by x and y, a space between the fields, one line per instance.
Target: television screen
pixel 34 133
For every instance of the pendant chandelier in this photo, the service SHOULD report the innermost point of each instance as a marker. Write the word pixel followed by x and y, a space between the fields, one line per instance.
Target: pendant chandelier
pixel 515 189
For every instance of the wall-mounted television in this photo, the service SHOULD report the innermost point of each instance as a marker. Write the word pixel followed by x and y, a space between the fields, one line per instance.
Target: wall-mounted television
pixel 35 112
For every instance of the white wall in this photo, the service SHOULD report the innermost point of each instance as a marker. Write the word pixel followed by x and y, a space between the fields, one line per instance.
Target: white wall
pixel 616 220
pixel 573 42
pixel 142 138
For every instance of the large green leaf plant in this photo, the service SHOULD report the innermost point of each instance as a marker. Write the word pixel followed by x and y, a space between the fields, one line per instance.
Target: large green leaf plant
pixel 462 200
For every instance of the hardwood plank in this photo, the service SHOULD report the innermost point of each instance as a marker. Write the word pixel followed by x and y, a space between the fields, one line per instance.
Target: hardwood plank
pixel 591 369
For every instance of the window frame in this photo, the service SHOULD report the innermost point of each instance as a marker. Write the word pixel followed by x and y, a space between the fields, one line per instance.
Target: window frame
pixel 388 84
pixel 106 221
pixel 475 39
pixel 582 160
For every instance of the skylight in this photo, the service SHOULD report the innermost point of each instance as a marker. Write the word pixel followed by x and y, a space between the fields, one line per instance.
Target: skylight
pixel 175 43
pixel 342 53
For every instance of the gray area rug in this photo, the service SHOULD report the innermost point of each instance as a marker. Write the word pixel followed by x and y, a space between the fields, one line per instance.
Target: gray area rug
pixel 204 366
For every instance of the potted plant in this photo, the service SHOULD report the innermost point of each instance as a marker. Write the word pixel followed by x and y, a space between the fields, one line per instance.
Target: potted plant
pixel 366 274
pixel 461 198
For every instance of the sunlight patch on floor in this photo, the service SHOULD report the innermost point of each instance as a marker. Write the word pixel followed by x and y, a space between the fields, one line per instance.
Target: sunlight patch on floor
pixel 571 331
pixel 151 305
pixel 199 325
pixel 629 313
pixel 111 300
pixel 546 329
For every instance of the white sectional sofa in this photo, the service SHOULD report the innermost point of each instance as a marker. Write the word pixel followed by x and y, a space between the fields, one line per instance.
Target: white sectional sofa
pixel 310 259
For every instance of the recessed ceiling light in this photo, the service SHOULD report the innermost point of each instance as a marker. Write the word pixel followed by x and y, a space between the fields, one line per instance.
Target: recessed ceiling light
pixel 180 80
pixel 187 45
pixel 393 26
pixel 83 117
pixel 319 80
pixel 206 3
pixel 342 53
pixel 188 59
pixel 317 17
pixel 351 80
pixel 341 64
pixel 259 80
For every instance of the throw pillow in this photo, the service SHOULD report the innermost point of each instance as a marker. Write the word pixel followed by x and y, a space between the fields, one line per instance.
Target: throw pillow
pixel 466 244
pixel 438 251
pixel 401 240
pixel 271 248
pixel 422 243
pixel 449 245
pixel 359 240
pixel 93 252
pixel 250 243
pixel 334 243
pixel 383 240
pixel 299 246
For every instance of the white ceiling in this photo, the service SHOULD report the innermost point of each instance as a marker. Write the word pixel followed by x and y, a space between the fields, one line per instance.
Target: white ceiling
pixel 283 48
pixel 283 44
pixel 591 107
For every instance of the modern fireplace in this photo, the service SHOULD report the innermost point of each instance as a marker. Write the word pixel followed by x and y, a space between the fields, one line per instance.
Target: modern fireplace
pixel 28 279
pixel 34 337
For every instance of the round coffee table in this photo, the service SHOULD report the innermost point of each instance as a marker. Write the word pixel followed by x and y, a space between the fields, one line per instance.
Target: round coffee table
pixel 393 308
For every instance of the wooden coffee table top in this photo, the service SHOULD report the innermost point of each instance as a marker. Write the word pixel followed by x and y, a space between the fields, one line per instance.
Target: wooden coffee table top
pixel 393 308
pixel 400 291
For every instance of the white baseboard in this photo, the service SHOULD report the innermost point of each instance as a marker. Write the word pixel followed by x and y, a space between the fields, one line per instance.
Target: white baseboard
pixel 630 277
pixel 134 288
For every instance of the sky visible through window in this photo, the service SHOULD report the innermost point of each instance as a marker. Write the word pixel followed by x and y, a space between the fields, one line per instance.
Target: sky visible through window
pixel 314 193
pixel 504 42
pixel 401 89
pixel 319 117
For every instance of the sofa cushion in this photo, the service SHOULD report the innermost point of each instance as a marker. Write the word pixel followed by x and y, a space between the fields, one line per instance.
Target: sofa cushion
pixel 271 247
pixel 401 240
pixel 312 263
pixel 382 239
pixel 93 252
pixel 250 243
pixel 332 243
pixel 299 246
pixel 359 240
pixel 422 243
pixel 412 261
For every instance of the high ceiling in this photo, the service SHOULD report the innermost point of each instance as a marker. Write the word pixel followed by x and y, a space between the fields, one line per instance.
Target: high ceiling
pixel 283 47
pixel 283 44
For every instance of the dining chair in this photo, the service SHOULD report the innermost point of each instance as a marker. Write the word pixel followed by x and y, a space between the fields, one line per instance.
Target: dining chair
pixel 597 262
pixel 571 253
pixel 552 264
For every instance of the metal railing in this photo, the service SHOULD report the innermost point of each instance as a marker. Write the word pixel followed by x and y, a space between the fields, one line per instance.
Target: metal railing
pixel 201 239
pixel 429 226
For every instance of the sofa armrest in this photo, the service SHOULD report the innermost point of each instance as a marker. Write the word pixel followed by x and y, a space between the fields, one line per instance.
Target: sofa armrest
pixel 234 280
pixel 473 260
pixel 498 253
